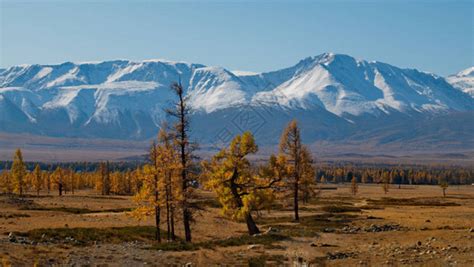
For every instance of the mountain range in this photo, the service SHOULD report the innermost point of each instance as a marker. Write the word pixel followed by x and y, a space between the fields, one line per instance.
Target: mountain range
pixel 336 98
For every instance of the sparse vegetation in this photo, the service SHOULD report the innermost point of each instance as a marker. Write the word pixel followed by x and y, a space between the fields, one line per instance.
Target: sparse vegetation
pixel 73 210
pixel 411 202
pixel 87 236
pixel 6 215
pixel 340 209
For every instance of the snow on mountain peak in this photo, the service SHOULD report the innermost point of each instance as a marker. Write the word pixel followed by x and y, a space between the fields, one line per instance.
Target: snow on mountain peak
pixel 463 80
pixel 466 72
pixel 123 93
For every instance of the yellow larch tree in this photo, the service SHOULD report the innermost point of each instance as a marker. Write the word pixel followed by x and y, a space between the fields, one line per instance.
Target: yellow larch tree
pixel 299 163
pixel 18 173
pixel 158 184
pixel 239 189
pixel 38 179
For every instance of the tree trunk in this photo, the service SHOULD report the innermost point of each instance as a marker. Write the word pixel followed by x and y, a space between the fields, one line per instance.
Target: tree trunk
pixel 187 226
pixel 168 226
pixel 173 236
pixel 157 222
pixel 60 189
pixel 251 225
pixel 295 200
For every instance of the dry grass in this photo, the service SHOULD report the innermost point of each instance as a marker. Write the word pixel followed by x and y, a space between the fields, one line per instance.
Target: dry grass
pixel 93 219
pixel 387 201
pixel 6 215
pixel 74 210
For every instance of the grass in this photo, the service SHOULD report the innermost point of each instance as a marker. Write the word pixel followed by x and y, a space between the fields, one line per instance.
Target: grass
pixel 73 210
pixel 309 226
pixel 371 207
pixel 210 203
pixel 13 215
pixel 411 202
pixel 340 209
pixel 265 240
pixel 87 236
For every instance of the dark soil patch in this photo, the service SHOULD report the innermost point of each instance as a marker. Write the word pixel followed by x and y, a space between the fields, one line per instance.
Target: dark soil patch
pixel 411 202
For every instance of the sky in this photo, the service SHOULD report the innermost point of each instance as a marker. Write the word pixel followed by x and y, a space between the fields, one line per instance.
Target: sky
pixel 434 36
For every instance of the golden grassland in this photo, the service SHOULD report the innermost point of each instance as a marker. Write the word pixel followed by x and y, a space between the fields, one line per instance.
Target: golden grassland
pixel 410 226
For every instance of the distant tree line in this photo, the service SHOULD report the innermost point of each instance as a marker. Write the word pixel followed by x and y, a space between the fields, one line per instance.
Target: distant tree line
pixel 398 175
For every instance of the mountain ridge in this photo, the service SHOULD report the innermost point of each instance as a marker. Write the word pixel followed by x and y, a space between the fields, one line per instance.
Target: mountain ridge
pixel 125 99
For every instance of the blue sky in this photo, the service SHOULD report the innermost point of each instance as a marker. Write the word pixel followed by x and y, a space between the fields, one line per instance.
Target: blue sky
pixel 435 36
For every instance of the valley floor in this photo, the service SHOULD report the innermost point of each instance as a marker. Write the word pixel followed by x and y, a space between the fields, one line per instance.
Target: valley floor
pixel 411 226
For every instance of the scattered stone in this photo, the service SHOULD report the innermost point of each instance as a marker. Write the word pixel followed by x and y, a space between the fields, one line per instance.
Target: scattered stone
pixel 339 255
pixel 251 247
pixel 271 230
pixel 313 244
pixel 428 221
pixel 189 264
pixel 11 237
pixel 471 230
pixel 372 228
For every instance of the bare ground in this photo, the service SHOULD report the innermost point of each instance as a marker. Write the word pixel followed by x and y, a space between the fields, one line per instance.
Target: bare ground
pixel 411 226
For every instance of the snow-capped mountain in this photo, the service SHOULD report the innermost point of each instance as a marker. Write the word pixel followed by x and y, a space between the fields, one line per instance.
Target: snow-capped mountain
pixel 464 81
pixel 329 93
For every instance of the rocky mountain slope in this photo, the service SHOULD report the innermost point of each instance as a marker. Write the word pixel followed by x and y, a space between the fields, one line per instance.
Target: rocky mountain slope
pixel 335 97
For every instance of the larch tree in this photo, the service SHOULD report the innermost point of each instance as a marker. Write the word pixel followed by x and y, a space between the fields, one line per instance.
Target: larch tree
pixel 308 175
pixel 156 183
pixel 239 189
pixel 38 179
pixel 59 180
pixel 6 183
pixel 47 180
pixel 105 178
pixel 354 186
pixel 443 183
pixel 169 184
pixel 298 160
pixel 385 182
pixel 181 111
pixel 18 172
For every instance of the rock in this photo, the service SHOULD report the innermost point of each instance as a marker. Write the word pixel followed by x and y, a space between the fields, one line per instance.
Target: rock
pixel 428 221
pixel 189 264
pixel 339 255
pixel 11 237
pixel 418 243
pixel 271 230
pixel 471 230
pixel 313 244
pixel 251 247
